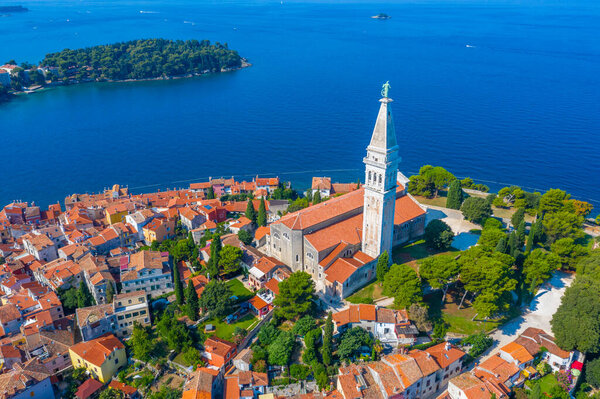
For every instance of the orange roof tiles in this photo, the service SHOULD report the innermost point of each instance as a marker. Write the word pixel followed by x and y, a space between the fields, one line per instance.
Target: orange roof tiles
pixel 96 350
pixel 349 231
pixel 257 302
pixel 261 232
pixel 517 352
pixel 445 354
pixel 406 209
pixel 315 214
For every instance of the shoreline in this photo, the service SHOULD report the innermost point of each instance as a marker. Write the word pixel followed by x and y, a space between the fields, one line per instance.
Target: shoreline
pixel 245 64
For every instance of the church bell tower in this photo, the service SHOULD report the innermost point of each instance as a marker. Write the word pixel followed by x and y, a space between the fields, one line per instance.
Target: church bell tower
pixel 381 170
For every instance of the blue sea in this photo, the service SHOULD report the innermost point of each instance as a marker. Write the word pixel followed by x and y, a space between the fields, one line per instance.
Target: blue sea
pixel 507 92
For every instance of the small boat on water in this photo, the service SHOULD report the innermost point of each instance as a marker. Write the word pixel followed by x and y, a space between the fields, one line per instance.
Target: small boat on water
pixel 381 16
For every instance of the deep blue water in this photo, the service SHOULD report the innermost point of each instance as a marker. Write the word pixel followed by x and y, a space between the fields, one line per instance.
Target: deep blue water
pixel 520 105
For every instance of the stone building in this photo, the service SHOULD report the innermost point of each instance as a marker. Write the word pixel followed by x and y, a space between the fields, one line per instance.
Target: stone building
pixel 328 240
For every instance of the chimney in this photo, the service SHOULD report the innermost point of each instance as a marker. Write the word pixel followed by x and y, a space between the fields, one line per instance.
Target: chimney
pixel 447 346
pixel 428 355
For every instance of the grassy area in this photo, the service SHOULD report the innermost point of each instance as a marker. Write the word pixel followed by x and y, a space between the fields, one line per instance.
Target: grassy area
pixel 459 320
pixel 225 331
pixel 547 382
pixel 368 294
pixel 440 200
pixel 237 288
pixel 180 360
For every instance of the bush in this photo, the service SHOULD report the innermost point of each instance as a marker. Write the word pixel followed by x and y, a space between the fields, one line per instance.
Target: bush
pixel 479 343
pixel 438 235
pixel 476 209
pixel 299 371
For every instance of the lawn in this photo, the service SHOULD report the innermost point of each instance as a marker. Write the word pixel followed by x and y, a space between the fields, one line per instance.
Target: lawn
pixel 440 200
pixel 180 360
pixel 237 288
pixel 459 320
pixel 368 294
pixel 225 331
pixel 547 382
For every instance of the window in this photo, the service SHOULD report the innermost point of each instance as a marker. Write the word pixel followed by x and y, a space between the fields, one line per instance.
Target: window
pixel 296 258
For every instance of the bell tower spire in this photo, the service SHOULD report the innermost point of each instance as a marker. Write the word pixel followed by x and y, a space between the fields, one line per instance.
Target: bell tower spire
pixel 381 170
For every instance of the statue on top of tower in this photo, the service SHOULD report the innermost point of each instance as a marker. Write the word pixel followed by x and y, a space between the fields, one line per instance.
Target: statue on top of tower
pixel 385 89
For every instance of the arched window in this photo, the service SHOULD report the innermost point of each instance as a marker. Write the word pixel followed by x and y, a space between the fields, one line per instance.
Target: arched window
pixel 369 175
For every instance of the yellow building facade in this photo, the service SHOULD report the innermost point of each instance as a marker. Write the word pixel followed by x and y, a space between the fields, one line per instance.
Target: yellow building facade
pixel 101 357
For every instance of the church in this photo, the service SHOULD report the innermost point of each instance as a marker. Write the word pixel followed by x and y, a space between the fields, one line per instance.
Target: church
pixel 338 241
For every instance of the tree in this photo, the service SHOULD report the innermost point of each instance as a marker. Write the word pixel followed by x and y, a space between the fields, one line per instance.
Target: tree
pixel 493 223
pixel 429 181
pixel 455 195
pixel 479 343
pixel 141 343
pixel 192 302
pixel 110 292
pixel 383 266
pixel 530 240
pixel 213 261
pixel 84 297
pixel 590 265
pixel 490 238
pixel 321 376
pixel 438 235
pixel 568 252
pixel 216 298
pixel 502 245
pixel 250 211
pixel 281 349
pixel 476 209
pixel 267 334
pixel 310 341
pixel 553 200
pixel 521 234
pixel 245 237
pixel 419 314
pixel 576 323
pixel 439 271
pixel 305 324
pixel 488 277
pixel 580 208
pixel 210 193
pixel 261 219
pixel 592 372
pixel 299 371
pixel 229 259
pixel 562 224
pixel 538 267
pixel 174 333
pixel 316 199
pixel 403 283
pixel 239 334
pixel 513 243
pixel 351 341
pixel 110 393
pixel 326 349
pixel 177 285
pixel 192 356
pixel 296 295
pixel 518 217
pixel 69 299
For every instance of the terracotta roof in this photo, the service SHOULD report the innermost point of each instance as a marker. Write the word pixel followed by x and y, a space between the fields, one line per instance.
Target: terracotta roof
pixel 321 183
pixel 232 388
pixel 91 314
pixel 497 368
pixel 273 286
pixel 218 346
pixel 8 351
pixel 517 352
pixel 407 208
pixel 253 378
pixel 22 377
pixel 316 214
pixel 261 232
pixel 8 313
pixel 96 350
pixel 348 231
pixel 199 386
pixel 119 386
pixel 387 376
pixel 426 362
pixel 266 264
pixel 257 302
pixel 88 388
pixel 472 386
pixel 445 354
